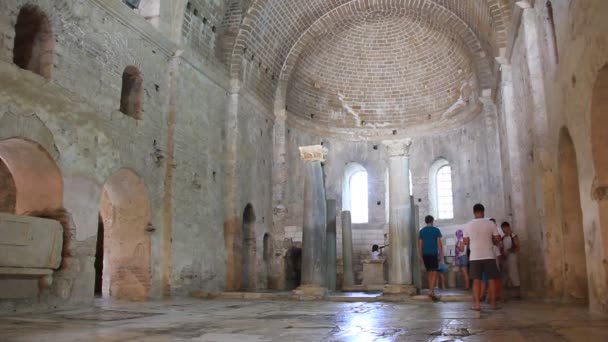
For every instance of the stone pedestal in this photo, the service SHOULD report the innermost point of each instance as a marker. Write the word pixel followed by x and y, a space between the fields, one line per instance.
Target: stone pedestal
pixel 373 274
pixel 331 245
pixel 314 231
pixel 347 250
pixel 400 206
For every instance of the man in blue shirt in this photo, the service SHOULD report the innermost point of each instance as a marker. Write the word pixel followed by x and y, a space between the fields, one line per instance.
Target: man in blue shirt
pixel 429 248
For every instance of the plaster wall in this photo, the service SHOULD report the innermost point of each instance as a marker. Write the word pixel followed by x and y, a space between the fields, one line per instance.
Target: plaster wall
pixel 176 148
pixel 555 94
pixel 476 177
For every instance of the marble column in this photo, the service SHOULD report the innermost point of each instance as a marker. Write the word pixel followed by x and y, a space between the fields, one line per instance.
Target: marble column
pixel 314 231
pixel 331 245
pixel 347 250
pixel 400 279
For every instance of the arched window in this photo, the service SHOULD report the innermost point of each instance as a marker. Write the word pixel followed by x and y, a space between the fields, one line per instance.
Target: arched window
pixel 149 9
pixel 445 206
pixel 33 47
pixel 440 189
pixel 131 97
pixel 411 184
pixel 355 192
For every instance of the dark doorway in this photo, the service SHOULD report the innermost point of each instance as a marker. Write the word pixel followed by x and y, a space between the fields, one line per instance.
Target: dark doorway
pixel 249 249
pixel 99 258
pixel 293 268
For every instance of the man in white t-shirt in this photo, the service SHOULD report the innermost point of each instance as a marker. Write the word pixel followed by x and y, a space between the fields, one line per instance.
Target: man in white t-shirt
pixel 481 235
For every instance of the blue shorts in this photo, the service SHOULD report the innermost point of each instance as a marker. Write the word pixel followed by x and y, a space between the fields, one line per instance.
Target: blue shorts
pixel 463 260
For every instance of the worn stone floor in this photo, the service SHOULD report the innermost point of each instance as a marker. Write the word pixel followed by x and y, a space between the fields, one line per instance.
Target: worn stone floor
pixel 243 321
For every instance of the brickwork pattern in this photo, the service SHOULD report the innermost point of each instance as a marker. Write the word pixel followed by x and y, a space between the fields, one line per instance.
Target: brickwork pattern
pixel 390 67
pixel 273 29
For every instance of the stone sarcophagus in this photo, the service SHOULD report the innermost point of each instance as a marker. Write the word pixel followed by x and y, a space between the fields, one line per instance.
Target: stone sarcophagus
pixel 30 249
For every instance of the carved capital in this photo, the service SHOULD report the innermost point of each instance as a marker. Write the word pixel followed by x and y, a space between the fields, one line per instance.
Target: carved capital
pixel 398 148
pixel 313 153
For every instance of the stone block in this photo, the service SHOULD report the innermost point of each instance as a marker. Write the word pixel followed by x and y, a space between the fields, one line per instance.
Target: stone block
pixel 373 272
pixel 30 242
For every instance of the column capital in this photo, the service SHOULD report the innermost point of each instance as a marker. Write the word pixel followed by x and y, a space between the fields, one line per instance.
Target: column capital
pixel 398 148
pixel 313 153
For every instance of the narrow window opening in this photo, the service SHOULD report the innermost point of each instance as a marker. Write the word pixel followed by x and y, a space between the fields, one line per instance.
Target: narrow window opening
pixel 552 33
pixel 445 206
pixel 131 99
pixel 358 199
pixel 33 46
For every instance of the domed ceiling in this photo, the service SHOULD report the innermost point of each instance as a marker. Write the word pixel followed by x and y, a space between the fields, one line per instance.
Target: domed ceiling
pixel 391 68
pixel 373 67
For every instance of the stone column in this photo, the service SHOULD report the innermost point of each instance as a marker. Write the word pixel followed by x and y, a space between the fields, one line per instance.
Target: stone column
pixel 347 250
pixel 314 231
pixel 331 245
pixel 400 235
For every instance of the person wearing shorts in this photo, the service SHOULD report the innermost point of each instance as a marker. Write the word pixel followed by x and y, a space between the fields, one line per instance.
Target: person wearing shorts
pixel 429 247
pixel 481 235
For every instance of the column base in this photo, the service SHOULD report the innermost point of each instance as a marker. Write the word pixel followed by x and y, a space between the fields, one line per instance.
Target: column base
pixel 310 292
pixel 392 289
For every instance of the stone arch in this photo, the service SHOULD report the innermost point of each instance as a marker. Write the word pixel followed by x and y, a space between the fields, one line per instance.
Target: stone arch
pixel 599 141
pixel 132 93
pixel 34 43
pixel 33 181
pixel 573 239
pixel 248 250
pixel 125 214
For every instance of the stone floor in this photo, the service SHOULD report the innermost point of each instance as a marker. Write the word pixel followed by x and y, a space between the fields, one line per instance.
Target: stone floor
pixel 243 321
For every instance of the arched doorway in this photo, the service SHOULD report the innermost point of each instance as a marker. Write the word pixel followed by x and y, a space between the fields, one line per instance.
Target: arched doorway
pixel 599 141
pixel 30 180
pixel 573 239
pixel 293 268
pixel 249 249
pixel 8 190
pixel 124 249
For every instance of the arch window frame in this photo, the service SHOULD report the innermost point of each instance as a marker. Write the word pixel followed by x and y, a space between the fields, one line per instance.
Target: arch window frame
pixel 361 216
pixel 438 199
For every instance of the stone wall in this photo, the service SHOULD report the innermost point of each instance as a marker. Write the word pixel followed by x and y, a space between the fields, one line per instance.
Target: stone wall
pixel 547 86
pixel 177 147
pixel 476 177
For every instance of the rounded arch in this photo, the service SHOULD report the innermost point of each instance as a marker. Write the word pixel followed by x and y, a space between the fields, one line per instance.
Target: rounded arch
pixel 355 192
pixel 34 42
pixel 440 189
pixel 125 215
pixel 248 249
pixel 132 93
pixel 32 181
pixel 573 239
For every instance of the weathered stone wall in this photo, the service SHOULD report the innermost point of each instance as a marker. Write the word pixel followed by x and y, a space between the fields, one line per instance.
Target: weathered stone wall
pixel 177 147
pixel 476 177
pixel 543 91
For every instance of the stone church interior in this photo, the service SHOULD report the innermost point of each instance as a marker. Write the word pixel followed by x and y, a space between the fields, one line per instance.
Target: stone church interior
pixel 220 170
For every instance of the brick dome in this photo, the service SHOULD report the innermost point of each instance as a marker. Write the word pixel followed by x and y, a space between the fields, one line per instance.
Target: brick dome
pixel 383 68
